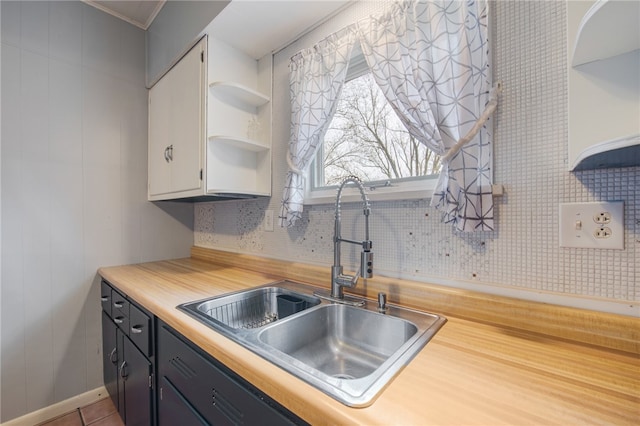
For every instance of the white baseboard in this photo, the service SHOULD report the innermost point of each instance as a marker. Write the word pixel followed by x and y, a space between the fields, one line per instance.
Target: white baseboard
pixel 59 408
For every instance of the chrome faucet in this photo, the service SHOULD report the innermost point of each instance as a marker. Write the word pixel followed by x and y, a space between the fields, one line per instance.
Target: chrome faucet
pixel 339 280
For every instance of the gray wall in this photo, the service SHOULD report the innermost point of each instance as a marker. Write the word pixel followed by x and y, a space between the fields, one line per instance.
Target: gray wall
pixel 522 257
pixel 74 173
pixel 173 30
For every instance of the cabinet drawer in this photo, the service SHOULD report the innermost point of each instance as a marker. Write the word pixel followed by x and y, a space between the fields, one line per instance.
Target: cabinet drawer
pixel 140 329
pixel 222 399
pixel 119 305
pixel 105 297
pixel 122 322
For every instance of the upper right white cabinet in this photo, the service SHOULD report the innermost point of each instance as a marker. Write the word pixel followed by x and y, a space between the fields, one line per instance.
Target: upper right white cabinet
pixel 603 83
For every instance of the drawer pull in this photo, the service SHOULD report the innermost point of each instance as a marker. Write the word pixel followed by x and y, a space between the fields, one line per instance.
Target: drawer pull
pixel 118 305
pixel 136 329
pixel 118 320
pixel 104 299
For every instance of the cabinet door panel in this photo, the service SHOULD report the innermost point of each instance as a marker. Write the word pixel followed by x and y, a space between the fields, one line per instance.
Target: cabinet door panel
pixel 122 409
pixel 159 137
pixel 219 397
pixel 176 132
pixel 110 357
pixel 174 409
pixel 137 389
pixel 186 118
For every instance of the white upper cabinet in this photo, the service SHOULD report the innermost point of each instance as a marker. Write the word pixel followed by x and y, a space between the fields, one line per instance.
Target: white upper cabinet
pixel 603 83
pixel 222 136
pixel 210 126
pixel 176 119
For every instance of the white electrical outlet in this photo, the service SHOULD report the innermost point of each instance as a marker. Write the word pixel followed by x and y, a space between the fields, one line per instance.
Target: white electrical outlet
pixel 592 225
pixel 602 217
pixel 268 220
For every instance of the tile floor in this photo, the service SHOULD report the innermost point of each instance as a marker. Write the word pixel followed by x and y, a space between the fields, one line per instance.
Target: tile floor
pixel 101 413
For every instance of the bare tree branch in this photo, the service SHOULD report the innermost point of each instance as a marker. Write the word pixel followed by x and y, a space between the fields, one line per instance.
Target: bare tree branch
pixel 366 138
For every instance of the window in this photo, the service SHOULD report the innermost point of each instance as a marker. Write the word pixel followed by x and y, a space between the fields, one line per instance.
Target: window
pixel 367 139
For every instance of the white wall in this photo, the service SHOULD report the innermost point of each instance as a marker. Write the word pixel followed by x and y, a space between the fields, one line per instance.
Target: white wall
pixel 522 257
pixel 74 172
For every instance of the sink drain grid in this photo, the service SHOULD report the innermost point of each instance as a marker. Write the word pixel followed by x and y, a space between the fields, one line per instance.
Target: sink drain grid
pixel 248 313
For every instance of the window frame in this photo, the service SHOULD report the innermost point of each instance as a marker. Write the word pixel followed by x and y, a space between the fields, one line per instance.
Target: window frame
pixel 420 187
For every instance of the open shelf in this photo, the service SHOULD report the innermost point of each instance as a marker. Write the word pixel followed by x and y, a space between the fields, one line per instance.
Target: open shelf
pixel 609 28
pixel 624 152
pixel 238 142
pixel 240 92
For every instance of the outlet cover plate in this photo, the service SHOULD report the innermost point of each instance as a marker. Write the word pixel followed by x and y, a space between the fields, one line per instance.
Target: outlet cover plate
pixel 579 226
pixel 268 220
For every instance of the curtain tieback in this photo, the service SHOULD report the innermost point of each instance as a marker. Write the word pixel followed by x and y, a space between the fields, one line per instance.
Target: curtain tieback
pixel 486 114
pixel 292 166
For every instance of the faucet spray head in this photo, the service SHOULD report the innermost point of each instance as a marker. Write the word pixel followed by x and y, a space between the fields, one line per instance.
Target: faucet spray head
pixel 366 264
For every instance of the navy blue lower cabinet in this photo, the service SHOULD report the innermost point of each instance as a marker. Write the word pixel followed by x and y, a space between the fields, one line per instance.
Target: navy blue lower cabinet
pixel 128 357
pixel 196 389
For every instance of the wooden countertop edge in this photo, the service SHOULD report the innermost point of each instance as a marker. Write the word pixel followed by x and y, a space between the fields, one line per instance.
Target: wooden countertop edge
pixel 606 330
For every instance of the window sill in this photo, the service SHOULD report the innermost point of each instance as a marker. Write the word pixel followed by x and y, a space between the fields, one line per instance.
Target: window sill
pixel 421 189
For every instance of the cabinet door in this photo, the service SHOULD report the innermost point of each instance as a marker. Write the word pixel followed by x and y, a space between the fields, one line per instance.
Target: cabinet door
pixel 159 137
pixel 176 132
pixel 174 409
pixel 135 372
pixel 110 357
pixel 216 394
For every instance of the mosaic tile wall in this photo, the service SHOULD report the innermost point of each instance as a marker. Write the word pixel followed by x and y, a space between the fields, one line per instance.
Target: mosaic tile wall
pixel 530 161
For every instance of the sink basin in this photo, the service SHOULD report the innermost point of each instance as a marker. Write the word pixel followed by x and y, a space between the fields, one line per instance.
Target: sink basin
pixel 350 353
pixel 339 340
pixel 250 309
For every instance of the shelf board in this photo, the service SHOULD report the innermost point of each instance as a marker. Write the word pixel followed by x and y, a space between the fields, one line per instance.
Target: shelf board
pixel 623 152
pixel 240 92
pixel 609 28
pixel 238 142
pixel 236 195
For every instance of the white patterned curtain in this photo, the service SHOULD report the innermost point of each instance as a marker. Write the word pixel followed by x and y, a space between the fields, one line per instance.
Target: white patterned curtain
pixel 431 60
pixel 316 78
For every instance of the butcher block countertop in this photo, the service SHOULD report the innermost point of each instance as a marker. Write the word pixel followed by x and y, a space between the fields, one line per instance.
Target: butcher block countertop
pixel 490 364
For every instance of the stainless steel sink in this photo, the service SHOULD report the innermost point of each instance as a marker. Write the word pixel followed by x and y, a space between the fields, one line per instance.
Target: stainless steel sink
pixel 339 340
pixel 351 353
